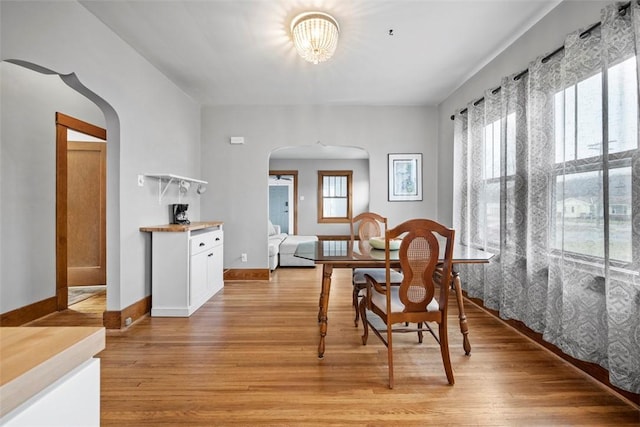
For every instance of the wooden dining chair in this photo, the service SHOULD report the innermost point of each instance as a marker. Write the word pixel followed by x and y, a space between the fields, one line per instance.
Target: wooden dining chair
pixel 422 296
pixel 365 226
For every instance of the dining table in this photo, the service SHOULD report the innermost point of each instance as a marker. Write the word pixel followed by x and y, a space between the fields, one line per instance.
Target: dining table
pixel 360 254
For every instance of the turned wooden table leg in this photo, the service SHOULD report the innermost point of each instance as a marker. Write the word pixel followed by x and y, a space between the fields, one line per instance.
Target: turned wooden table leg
pixel 320 300
pixel 327 269
pixel 464 328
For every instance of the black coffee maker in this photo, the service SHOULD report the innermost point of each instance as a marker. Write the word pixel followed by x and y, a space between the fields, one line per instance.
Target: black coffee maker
pixel 178 213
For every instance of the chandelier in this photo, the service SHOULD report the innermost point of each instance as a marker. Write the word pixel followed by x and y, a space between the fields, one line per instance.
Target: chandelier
pixel 315 36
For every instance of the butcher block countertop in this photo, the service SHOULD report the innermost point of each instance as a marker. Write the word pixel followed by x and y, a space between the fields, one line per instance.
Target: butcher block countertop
pixel 32 358
pixel 196 225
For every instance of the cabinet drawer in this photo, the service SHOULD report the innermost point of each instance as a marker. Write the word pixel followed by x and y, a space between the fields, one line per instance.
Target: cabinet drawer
pixel 201 242
pixel 204 241
pixel 217 237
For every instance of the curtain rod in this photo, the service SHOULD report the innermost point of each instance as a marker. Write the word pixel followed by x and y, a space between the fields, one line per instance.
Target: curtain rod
pixel 622 10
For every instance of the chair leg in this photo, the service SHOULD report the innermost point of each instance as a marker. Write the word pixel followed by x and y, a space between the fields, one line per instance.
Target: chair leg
pixel 420 332
pixel 354 297
pixel 390 354
pixel 365 324
pixel 444 350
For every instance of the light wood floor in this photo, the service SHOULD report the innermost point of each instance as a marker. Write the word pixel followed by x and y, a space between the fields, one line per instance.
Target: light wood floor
pixel 248 357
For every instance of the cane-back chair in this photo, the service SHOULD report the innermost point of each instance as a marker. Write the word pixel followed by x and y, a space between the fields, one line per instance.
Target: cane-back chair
pixel 363 227
pixel 422 296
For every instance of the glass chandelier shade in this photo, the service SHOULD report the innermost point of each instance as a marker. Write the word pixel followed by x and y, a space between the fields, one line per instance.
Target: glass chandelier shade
pixel 315 36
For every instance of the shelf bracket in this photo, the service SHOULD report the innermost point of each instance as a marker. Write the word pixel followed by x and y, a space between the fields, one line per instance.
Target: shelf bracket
pixel 161 192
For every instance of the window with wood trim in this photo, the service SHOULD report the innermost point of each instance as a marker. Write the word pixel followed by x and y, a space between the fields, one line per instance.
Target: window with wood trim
pixel 593 195
pixel 334 196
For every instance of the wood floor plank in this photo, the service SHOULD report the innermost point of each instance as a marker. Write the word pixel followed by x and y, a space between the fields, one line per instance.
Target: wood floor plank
pixel 249 357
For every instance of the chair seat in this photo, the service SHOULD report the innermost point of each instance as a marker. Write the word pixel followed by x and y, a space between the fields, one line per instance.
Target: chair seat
pixel 380 300
pixel 378 274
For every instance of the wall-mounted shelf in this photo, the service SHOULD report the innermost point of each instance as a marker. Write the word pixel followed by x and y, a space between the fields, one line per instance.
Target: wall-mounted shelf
pixel 169 178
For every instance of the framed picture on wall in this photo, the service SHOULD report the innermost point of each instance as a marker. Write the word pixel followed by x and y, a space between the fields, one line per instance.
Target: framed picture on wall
pixel 405 177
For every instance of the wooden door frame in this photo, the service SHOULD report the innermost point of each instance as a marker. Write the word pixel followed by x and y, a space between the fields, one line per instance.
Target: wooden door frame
pixel 293 173
pixel 64 123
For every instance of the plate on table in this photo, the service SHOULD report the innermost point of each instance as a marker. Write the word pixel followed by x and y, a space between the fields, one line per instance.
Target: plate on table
pixel 378 243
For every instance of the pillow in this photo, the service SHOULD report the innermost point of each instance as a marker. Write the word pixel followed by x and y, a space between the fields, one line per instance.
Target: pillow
pixel 272 229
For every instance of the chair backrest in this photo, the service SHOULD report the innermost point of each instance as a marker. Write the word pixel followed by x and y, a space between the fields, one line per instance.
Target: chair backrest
pixel 420 261
pixel 367 225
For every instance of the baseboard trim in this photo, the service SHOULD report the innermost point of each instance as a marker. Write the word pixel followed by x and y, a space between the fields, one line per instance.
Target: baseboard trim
pixel 117 319
pixel 247 274
pixel 30 312
pixel 592 369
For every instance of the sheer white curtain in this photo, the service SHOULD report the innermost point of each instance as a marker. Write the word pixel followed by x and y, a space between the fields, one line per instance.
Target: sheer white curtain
pixel 549 180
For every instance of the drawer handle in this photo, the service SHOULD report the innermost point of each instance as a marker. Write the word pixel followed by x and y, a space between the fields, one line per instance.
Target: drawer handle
pixel 201 244
pixel 217 239
pixel 210 254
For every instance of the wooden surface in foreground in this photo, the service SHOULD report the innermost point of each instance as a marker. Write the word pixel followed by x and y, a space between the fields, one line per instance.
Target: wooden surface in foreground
pixel 249 357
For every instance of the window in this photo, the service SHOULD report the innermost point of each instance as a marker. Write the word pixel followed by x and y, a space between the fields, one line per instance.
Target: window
pixel 584 164
pixel 489 226
pixel 570 203
pixel 334 196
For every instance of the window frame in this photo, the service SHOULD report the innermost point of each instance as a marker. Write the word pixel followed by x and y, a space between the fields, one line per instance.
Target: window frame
pixel 481 239
pixel 577 165
pixel 349 197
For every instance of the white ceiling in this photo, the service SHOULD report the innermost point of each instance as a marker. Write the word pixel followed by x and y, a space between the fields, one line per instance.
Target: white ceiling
pixel 225 52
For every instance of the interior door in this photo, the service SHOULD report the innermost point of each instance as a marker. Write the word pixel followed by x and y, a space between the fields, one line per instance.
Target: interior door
pixel 277 211
pixel 279 206
pixel 86 213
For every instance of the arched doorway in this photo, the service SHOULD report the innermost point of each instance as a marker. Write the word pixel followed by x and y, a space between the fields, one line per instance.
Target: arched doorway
pixel 305 160
pixel 28 177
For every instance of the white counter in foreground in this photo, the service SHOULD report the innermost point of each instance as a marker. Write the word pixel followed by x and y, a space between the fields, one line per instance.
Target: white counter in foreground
pixel 49 376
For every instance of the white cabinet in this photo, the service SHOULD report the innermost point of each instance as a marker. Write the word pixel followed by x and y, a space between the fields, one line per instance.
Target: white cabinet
pixel 215 269
pixel 197 277
pixel 205 269
pixel 186 267
pixel 73 400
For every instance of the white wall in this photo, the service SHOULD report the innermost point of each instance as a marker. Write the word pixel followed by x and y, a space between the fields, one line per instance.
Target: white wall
pixel 240 172
pixel 152 126
pixel 28 179
pixel 308 188
pixel 543 38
